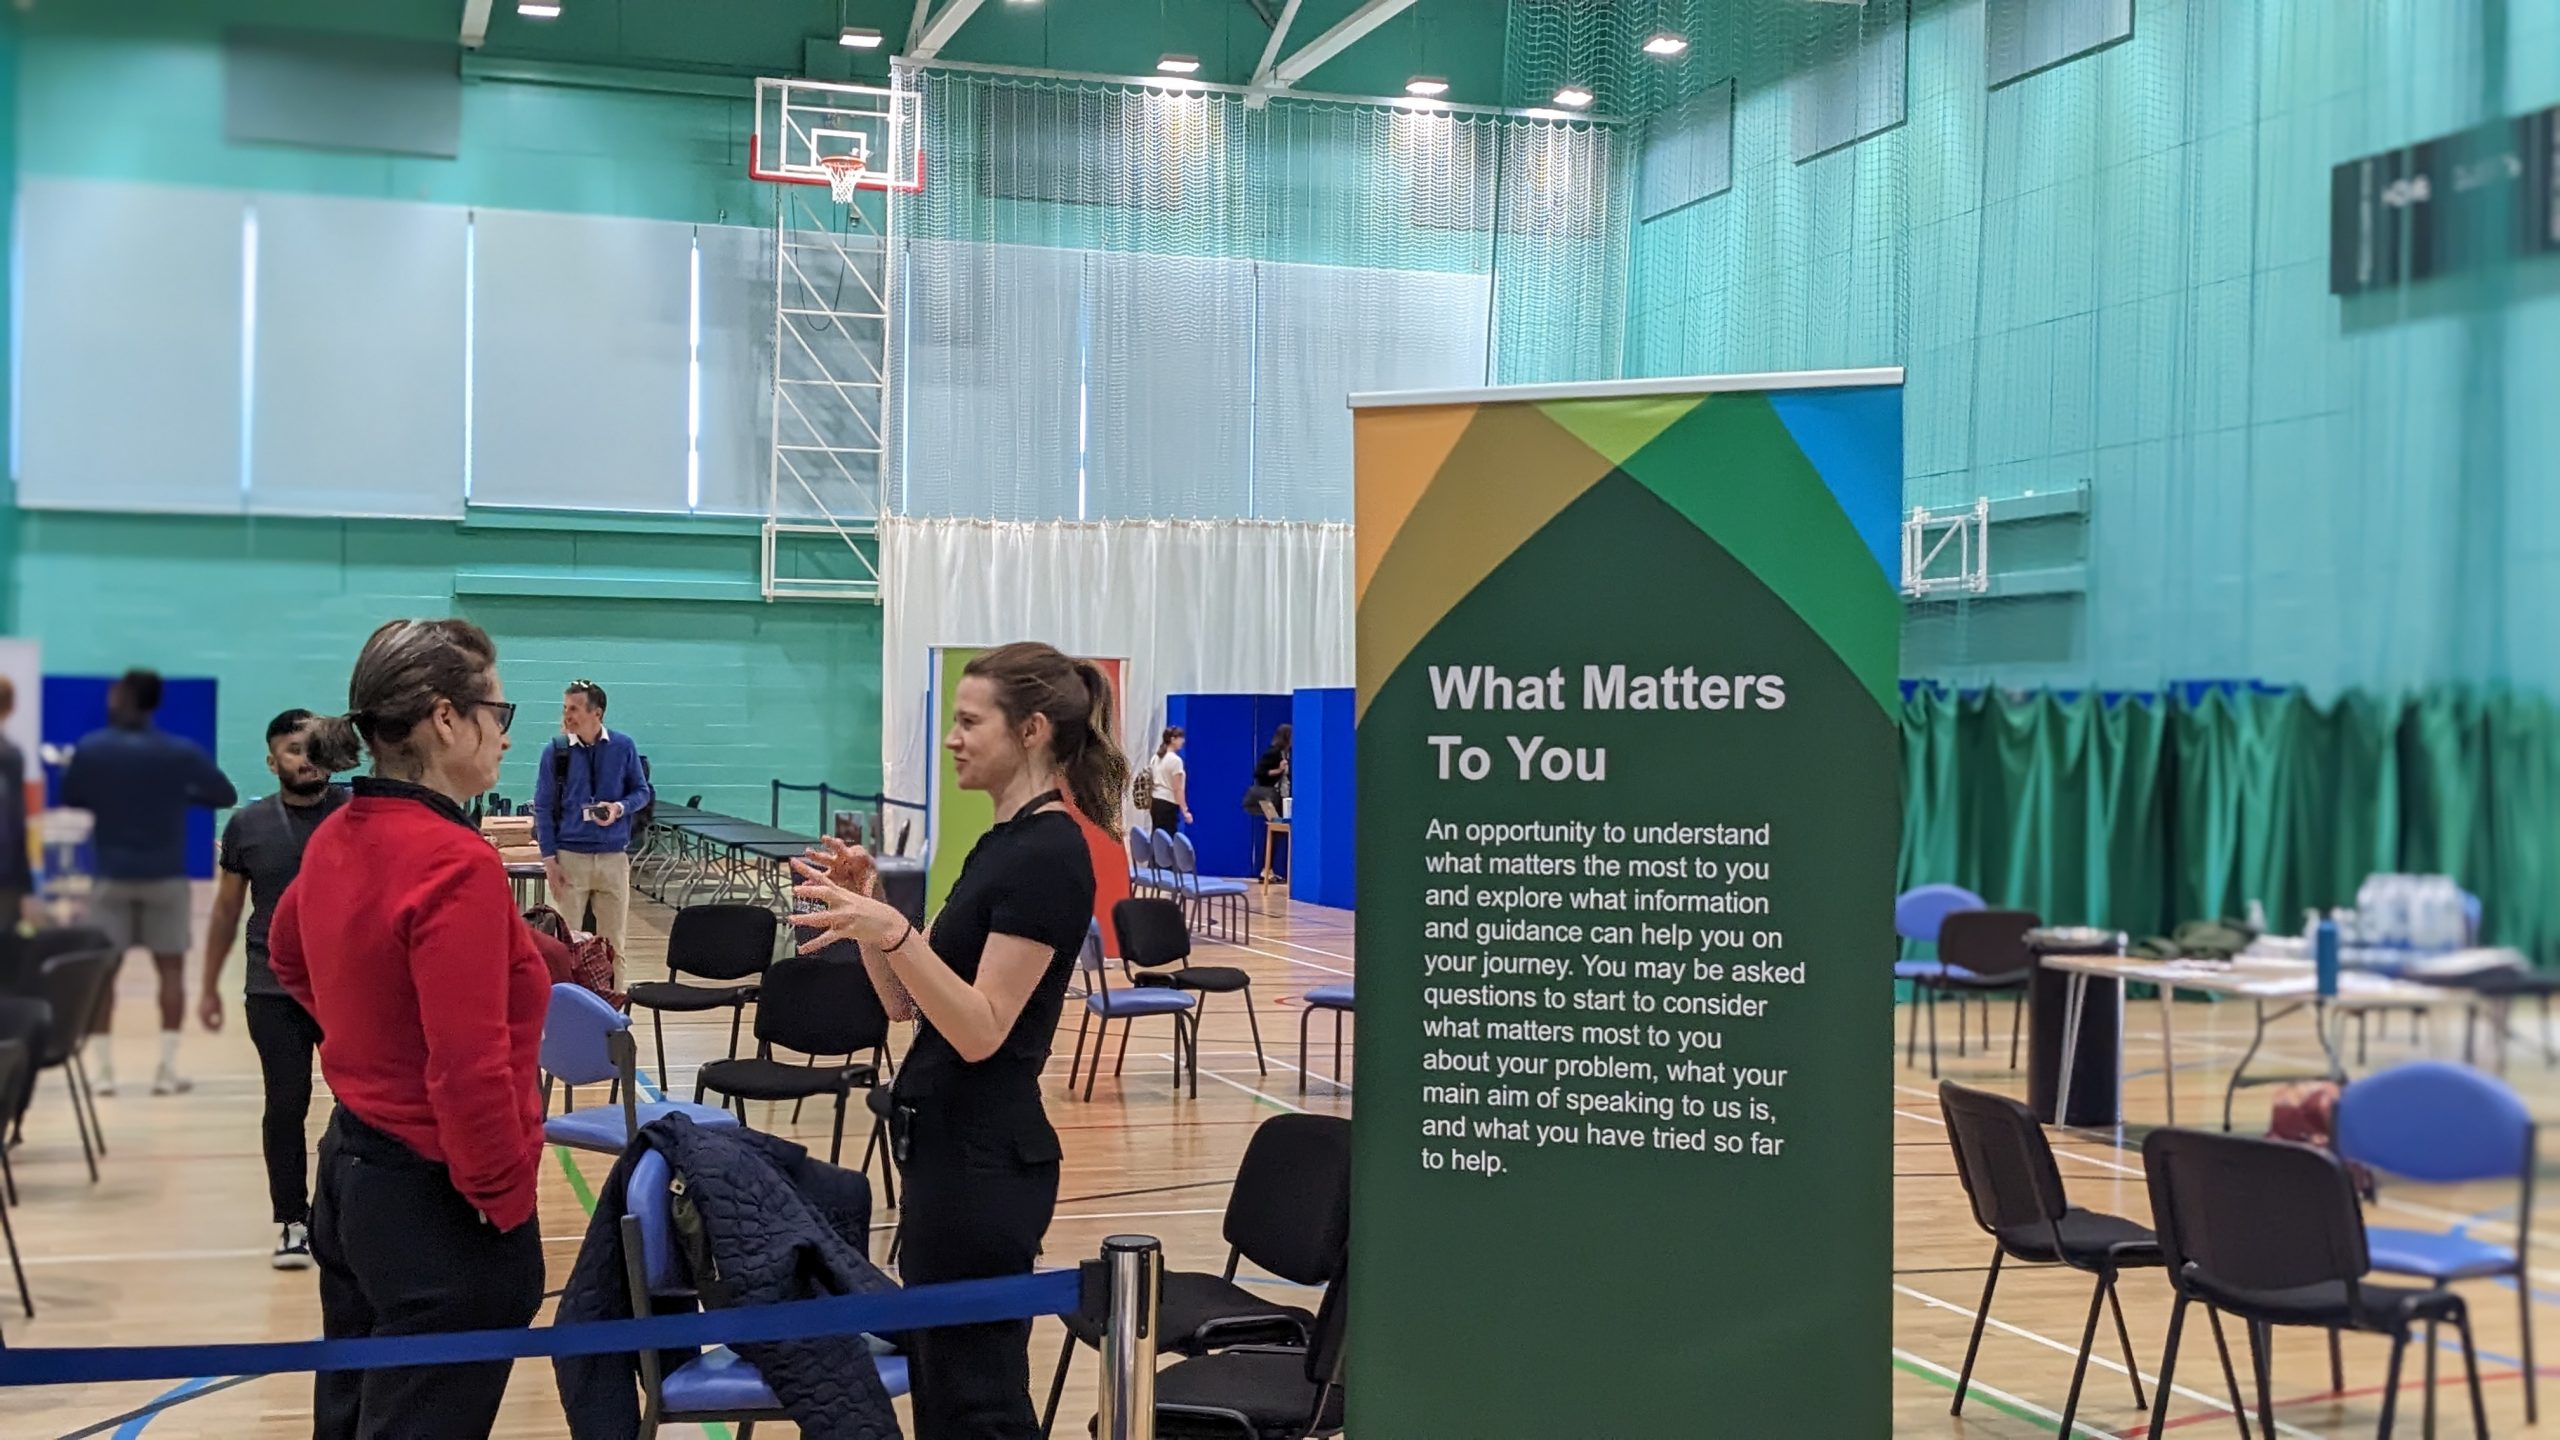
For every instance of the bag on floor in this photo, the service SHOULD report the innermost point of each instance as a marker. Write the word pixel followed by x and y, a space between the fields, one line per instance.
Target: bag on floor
pixel 587 963
pixel 2307 1114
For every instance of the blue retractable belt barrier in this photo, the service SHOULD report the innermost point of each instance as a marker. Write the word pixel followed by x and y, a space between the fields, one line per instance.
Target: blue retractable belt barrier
pixel 963 1302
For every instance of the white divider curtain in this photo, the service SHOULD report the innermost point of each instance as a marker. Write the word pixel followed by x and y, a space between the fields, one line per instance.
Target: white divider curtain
pixel 1231 606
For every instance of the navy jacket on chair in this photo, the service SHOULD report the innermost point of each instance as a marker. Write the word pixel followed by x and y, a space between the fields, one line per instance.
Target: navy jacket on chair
pixel 782 1225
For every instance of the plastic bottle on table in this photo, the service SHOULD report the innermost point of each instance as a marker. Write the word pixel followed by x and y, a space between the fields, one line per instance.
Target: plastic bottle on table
pixel 2324 957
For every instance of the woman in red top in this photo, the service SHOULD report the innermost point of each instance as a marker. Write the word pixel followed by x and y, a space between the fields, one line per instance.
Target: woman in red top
pixel 401 938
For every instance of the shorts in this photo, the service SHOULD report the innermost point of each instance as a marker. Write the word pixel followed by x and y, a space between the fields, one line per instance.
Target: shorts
pixel 153 915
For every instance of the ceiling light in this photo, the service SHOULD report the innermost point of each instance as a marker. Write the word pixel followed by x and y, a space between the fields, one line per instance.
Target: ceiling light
pixel 1424 103
pixel 1545 112
pixel 1427 85
pixel 854 37
pixel 1665 43
pixel 1573 97
pixel 538 9
pixel 1179 64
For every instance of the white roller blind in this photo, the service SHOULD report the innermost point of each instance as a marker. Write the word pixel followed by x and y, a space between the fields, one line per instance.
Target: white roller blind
pixel 579 361
pixel 737 368
pixel 130 367
pixel 359 380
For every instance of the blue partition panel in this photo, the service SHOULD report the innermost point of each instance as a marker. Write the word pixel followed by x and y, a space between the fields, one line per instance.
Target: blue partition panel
pixel 1320 868
pixel 74 705
pixel 1224 735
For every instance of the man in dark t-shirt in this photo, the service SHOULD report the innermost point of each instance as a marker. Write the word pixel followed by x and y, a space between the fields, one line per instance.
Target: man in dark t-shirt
pixel 261 853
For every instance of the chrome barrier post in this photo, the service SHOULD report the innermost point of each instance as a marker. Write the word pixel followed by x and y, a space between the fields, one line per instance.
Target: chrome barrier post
pixel 1136 1266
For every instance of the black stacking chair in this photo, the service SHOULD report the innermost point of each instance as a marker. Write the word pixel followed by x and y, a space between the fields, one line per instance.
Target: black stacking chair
pixel 73 987
pixel 816 1006
pixel 728 943
pixel 2009 1175
pixel 1154 935
pixel 2271 1232
pixel 14 1072
pixel 1981 952
pixel 1289 1213
pixel 1261 1392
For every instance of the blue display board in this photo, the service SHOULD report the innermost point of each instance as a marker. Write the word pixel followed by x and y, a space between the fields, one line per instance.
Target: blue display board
pixel 1223 736
pixel 74 705
pixel 1322 825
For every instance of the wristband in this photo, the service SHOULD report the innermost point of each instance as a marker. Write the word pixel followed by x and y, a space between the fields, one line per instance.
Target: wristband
pixel 892 949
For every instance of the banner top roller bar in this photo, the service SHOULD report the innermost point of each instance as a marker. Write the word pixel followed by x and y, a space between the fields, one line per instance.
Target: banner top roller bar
pixel 1626 389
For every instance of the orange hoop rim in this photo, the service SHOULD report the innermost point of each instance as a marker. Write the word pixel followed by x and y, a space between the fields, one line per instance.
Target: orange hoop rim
pixel 844 175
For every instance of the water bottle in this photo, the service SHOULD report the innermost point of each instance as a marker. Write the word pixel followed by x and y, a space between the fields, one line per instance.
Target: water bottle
pixel 2324 958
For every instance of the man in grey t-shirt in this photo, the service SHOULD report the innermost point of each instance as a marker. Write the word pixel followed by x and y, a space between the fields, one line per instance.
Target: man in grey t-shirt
pixel 261 853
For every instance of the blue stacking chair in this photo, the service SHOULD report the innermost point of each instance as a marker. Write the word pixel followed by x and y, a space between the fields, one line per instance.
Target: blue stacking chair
pixel 1143 872
pixel 719 1384
pixel 585 1041
pixel 1198 890
pixel 1918 915
pixel 2446 1124
pixel 1127 1005
pixel 1336 998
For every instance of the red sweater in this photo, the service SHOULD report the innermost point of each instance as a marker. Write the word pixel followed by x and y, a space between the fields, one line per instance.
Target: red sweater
pixel 401 937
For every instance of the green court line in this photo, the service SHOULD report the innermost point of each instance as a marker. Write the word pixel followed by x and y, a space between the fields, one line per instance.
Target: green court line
pixel 587 1202
pixel 1976 1394
pixel 577 1182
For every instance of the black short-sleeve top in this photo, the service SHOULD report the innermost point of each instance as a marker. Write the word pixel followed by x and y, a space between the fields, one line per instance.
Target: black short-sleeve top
pixel 1030 876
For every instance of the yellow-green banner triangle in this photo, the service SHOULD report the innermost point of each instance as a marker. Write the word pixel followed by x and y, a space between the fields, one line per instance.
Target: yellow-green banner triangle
pixel 1618 427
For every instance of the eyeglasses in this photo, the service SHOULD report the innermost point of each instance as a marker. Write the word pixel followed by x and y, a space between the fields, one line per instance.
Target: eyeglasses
pixel 506 711
pixel 586 689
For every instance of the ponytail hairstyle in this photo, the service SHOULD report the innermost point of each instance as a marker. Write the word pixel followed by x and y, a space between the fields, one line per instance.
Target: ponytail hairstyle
pixel 1034 679
pixel 1171 734
pixel 403 671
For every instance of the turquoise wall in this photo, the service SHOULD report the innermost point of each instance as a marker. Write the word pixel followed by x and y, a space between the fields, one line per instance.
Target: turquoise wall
pixel 526 145
pixel 2113 274
pixel 724 695
pixel 724 692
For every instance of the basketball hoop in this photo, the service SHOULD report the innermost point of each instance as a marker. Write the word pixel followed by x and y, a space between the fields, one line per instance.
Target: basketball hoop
pixel 844 175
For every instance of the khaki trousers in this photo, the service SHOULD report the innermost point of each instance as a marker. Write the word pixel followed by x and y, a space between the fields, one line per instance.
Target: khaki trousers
pixel 605 882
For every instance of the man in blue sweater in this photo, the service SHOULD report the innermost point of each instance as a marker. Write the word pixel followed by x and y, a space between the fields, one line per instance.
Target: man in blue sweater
pixel 140 781
pixel 587 787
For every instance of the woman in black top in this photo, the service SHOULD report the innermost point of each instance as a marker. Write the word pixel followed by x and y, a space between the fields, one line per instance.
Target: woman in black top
pixel 1273 767
pixel 1030 727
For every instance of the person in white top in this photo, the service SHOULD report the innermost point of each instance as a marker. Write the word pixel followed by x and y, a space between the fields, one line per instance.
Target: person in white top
pixel 1172 803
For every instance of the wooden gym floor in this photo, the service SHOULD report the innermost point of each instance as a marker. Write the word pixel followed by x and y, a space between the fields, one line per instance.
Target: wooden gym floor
pixel 171 1245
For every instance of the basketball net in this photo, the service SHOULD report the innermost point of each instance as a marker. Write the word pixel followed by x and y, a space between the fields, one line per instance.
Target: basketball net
pixel 844 176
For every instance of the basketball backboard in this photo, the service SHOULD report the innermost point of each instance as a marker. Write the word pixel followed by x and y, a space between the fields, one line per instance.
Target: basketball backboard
pixel 801 125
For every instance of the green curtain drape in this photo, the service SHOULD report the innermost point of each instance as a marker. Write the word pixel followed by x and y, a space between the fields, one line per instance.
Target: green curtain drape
pixel 2138 812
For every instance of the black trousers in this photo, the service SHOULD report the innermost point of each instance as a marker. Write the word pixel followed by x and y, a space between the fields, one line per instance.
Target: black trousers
pixel 401 1252
pixel 973 1211
pixel 286 1037
pixel 1167 815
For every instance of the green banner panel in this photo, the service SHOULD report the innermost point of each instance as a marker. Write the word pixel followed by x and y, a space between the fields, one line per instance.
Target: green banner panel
pixel 1629 804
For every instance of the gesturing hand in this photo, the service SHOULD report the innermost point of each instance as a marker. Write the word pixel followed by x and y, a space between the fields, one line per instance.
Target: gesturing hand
pixel 847 867
pixel 844 915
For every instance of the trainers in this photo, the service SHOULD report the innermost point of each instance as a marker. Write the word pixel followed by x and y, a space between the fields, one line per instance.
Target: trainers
pixel 170 1082
pixel 293 1248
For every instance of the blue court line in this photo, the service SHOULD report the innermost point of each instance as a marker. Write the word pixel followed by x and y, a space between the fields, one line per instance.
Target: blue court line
pixel 161 1401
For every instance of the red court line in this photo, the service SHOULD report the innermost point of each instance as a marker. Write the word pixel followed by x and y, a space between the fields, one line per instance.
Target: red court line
pixel 2204 1417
